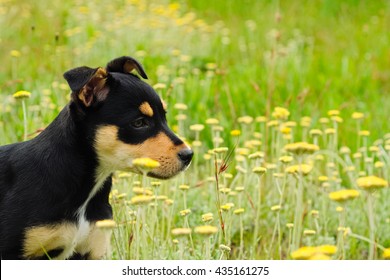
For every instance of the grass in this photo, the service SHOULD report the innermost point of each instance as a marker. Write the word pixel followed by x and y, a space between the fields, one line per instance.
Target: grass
pixel 234 61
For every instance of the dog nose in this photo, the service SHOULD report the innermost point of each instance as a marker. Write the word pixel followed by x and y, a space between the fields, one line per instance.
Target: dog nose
pixel 185 155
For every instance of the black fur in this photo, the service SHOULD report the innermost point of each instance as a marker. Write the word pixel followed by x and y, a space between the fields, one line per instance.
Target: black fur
pixel 45 180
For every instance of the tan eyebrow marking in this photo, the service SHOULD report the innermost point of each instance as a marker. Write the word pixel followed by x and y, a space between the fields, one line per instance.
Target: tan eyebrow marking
pixel 146 109
pixel 165 107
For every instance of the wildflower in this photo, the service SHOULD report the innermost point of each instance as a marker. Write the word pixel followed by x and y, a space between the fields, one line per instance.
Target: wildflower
pixel 343 195
pixel 181 231
pixel 339 209
pixel 286 159
pixel 141 199
pixel 364 133
pixel 227 206
pixel 206 230
pixel 221 150
pixel 259 170
pixel 15 53
pixel 235 132
pixel 184 187
pixel 197 127
pixel 276 208
pixel 175 241
pixel 323 178
pixel 242 151
pixel 324 120
pixel 139 191
pixel 21 94
pixel 357 155
pixel 212 121
pixel 337 119
pixel 256 155
pixel 371 183
pixel 208 217
pixel 224 190
pixel 379 164
pixel 308 232
pixel 309 252
pixel 224 248
pixel 245 119
pixel 303 169
pixel 181 117
pixel 290 124
pixel 333 113
pixel 146 163
pixel 105 224
pixel 315 132
pixel 357 115
pixel 314 213
pixel 239 211
pixel 345 150
pixel 373 149
pixel 168 202
pixel 273 123
pixel 299 148
pixel 185 212
pixel 261 119
pixel 289 225
pixel 228 175
pixel 239 188
pixel 285 130
pixel 386 254
pixel 305 121
pixel 330 131
pixel 280 113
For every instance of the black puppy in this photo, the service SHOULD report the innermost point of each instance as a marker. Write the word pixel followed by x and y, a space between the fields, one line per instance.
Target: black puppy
pixel 54 187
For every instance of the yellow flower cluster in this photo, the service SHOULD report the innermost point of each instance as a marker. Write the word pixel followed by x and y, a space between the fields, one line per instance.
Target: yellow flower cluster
pixel 371 183
pixel 206 230
pixel 300 148
pixel 343 195
pixel 323 252
pixel 21 94
pixel 280 113
pixel 303 169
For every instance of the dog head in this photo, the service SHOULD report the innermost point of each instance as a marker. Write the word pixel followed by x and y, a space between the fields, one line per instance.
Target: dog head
pixel 125 118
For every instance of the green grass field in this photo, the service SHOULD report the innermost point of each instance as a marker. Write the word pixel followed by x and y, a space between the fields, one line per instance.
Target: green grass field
pixel 258 75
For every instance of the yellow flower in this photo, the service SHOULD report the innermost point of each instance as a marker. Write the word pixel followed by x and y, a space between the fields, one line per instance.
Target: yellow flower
pixel 235 132
pixel 345 150
pixel 207 217
pixel 309 252
pixel 333 113
pixel 245 119
pixel 290 225
pixel 181 231
pixel 303 169
pixel 337 119
pixel 364 133
pixel 276 208
pixel 261 119
pixel 299 148
pixel 105 224
pixel 256 155
pixel 139 191
pixel 371 183
pixel 343 195
pixel 280 113
pixel 339 209
pixel 147 163
pixel 15 53
pixel 379 164
pixel 259 170
pixel 314 132
pixel 286 159
pixel 386 254
pixel 212 121
pixel 357 115
pixel 21 94
pixel 224 248
pixel 197 127
pixel 309 232
pixel 185 212
pixel 285 130
pixel 330 131
pixel 323 178
pixel 227 206
pixel 141 199
pixel 239 211
pixel 206 230
pixel 324 120
pixel 184 187
pixel 221 150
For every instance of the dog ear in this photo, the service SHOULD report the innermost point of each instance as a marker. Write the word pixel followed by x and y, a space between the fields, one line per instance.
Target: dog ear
pixel 88 85
pixel 126 64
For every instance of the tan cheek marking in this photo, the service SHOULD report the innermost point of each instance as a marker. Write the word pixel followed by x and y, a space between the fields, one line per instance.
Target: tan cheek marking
pixel 45 238
pixel 146 109
pixel 97 244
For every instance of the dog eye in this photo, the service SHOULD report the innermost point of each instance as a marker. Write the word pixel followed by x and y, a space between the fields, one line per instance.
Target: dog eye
pixel 139 123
